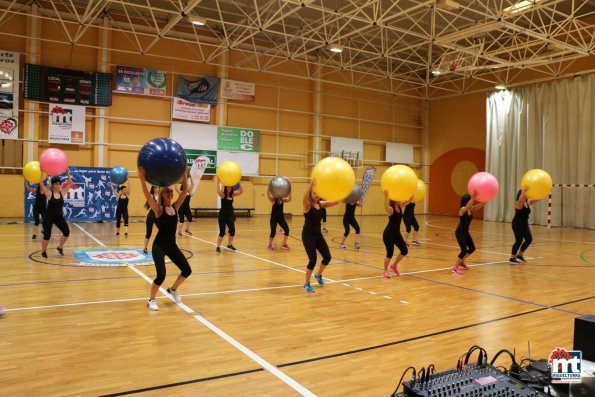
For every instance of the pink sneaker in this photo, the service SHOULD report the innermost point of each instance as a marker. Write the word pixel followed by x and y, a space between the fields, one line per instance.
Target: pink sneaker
pixel 464 266
pixel 285 247
pixel 341 245
pixel 270 247
pixel 457 270
pixel 394 269
pixel 385 275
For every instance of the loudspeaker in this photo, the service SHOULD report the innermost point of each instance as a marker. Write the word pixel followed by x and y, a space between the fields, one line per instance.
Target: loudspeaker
pixel 584 336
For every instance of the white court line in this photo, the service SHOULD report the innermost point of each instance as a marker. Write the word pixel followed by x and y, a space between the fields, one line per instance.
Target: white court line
pixel 429 223
pixel 249 353
pixel 259 258
pixel 241 290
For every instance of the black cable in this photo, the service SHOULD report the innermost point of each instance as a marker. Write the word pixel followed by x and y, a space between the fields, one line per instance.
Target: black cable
pixel 401 380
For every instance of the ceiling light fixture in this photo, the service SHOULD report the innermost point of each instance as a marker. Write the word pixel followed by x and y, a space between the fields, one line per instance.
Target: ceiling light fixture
pixel 336 48
pixel 500 86
pixel 520 7
pixel 198 21
pixel 436 72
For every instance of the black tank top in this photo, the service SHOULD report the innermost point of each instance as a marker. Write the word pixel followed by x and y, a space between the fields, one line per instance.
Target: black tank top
pixel 394 221
pixel 349 211
pixel 55 205
pixel 410 209
pixel 277 211
pixel 312 220
pixel 40 199
pixel 522 215
pixel 123 203
pixel 464 222
pixel 166 225
pixel 227 205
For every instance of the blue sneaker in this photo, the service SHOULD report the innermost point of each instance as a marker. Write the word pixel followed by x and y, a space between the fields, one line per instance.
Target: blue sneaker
pixel 308 288
pixel 318 278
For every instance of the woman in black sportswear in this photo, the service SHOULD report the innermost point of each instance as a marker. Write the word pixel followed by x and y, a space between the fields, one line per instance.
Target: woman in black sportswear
pixel 226 216
pixel 54 214
pixel 123 196
pixel 166 219
pixel 277 217
pixel 349 220
pixel 312 235
pixel 39 206
pixel 464 238
pixel 392 234
pixel 520 226
pixel 185 210
pixel 410 221
pixel 150 221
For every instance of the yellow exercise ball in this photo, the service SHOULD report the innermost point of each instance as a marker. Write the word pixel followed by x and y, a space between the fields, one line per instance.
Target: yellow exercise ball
pixel 539 183
pixel 32 171
pixel 229 173
pixel 420 191
pixel 400 181
pixel 334 178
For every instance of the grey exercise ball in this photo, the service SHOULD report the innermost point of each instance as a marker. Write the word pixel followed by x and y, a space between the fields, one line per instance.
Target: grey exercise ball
pixel 355 195
pixel 279 187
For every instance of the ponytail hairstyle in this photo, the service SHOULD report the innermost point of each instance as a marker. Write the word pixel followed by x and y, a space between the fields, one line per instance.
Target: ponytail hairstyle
pixel 465 199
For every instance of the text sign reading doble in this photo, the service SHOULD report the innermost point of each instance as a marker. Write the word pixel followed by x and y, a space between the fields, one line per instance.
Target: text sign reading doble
pixel 238 139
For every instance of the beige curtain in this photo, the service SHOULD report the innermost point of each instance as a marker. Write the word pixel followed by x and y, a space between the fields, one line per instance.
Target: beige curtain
pixel 549 126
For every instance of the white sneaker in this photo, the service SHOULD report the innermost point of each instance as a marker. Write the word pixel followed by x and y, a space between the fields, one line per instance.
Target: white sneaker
pixel 175 294
pixel 152 305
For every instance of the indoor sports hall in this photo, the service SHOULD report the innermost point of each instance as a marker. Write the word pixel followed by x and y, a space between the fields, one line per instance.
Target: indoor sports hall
pixel 441 89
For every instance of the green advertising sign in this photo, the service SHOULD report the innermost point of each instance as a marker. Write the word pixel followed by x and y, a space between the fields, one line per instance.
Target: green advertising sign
pixel 192 155
pixel 238 139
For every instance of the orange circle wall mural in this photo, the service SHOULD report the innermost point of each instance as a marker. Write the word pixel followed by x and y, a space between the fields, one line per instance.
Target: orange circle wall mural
pixel 449 174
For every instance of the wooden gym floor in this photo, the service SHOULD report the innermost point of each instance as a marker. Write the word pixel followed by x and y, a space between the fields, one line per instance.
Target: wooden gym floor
pixel 246 328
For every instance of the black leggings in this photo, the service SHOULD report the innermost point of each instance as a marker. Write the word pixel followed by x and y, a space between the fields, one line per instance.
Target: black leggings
pixel 466 243
pixel 59 221
pixel 149 223
pixel 172 251
pixel 119 214
pixel 350 222
pixel 409 221
pixel 282 222
pixel 521 232
pixel 229 220
pixel 185 210
pixel 38 211
pixel 312 243
pixel 392 239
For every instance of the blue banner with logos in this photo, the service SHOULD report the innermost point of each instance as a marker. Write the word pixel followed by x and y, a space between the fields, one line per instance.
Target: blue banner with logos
pixel 91 198
pixel 205 90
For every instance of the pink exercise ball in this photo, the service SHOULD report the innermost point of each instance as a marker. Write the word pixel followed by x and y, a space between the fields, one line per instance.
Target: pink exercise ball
pixel 53 161
pixel 485 184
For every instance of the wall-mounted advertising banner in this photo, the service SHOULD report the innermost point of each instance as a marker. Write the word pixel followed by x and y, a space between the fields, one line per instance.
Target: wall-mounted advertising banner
pixel 238 139
pixel 9 95
pixel 90 199
pixel 204 90
pixel 202 159
pixel 66 124
pixel 238 90
pixel 185 110
pixel 141 81
pixel 67 86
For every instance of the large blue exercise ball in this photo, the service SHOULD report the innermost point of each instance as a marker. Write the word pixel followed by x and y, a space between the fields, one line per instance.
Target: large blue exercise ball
pixel 118 175
pixel 164 161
